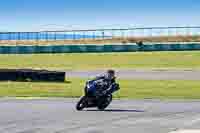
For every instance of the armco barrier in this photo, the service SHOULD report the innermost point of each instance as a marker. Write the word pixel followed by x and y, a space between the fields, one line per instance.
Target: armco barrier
pixel 96 48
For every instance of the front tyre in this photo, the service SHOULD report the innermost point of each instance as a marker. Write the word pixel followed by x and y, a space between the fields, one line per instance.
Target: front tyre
pixel 81 103
pixel 104 102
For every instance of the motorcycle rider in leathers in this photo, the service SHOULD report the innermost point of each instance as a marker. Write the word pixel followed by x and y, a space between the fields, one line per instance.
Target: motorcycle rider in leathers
pixel 107 81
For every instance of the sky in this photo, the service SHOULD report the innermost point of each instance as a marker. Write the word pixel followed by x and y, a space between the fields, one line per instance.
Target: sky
pixel 34 15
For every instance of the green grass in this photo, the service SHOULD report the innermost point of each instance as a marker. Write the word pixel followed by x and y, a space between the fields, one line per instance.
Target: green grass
pixel 143 60
pixel 137 89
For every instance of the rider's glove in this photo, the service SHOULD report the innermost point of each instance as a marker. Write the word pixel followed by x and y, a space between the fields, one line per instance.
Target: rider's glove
pixel 104 92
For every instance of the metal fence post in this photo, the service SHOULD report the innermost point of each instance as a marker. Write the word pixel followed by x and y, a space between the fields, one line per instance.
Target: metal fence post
pixel 18 35
pixel 74 35
pixel 37 36
pixel 55 37
pixel 46 36
pixel 103 34
pixel 93 35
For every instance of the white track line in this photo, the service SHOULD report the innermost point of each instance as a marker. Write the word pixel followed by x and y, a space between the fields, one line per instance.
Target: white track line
pixel 189 123
pixel 186 131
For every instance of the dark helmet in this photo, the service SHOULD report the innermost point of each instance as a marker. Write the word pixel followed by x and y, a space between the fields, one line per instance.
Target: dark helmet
pixel 111 73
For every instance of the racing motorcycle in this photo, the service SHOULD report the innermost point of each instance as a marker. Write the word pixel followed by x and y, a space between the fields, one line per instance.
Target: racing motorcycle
pixel 95 96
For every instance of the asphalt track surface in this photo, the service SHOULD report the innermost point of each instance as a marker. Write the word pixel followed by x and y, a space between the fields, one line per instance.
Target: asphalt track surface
pixel 128 116
pixel 142 74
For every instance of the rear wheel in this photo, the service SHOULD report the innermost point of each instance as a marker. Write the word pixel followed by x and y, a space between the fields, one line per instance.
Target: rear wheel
pixel 81 104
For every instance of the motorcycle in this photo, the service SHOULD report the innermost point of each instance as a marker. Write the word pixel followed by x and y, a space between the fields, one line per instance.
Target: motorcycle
pixel 94 97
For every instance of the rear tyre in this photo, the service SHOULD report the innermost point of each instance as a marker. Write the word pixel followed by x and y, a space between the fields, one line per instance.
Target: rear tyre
pixel 81 104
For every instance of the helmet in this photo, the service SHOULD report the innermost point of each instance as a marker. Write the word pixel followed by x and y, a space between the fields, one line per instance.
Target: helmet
pixel 111 74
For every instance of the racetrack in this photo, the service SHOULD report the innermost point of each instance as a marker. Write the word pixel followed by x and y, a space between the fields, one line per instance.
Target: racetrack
pixel 60 116
pixel 142 74
pixel 139 116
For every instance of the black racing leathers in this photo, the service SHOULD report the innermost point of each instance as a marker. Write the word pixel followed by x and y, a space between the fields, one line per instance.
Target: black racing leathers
pixel 108 85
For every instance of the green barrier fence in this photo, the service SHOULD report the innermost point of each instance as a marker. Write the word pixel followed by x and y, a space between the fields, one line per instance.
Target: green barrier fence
pixel 96 48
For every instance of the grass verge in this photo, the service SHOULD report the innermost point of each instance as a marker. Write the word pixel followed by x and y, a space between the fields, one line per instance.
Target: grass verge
pixel 93 61
pixel 136 89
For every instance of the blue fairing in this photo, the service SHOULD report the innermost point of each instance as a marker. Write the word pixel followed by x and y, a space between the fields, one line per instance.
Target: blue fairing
pixel 91 87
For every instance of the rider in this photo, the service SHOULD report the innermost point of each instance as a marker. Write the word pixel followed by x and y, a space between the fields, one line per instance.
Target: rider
pixel 108 81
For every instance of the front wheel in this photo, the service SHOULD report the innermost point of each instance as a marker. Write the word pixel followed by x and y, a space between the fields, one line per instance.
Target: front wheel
pixel 104 102
pixel 81 104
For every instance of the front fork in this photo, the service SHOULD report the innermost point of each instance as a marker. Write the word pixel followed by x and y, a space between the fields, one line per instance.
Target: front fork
pixel 85 91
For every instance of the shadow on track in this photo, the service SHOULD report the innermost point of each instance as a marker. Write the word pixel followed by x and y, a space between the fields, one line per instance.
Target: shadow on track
pixel 117 110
